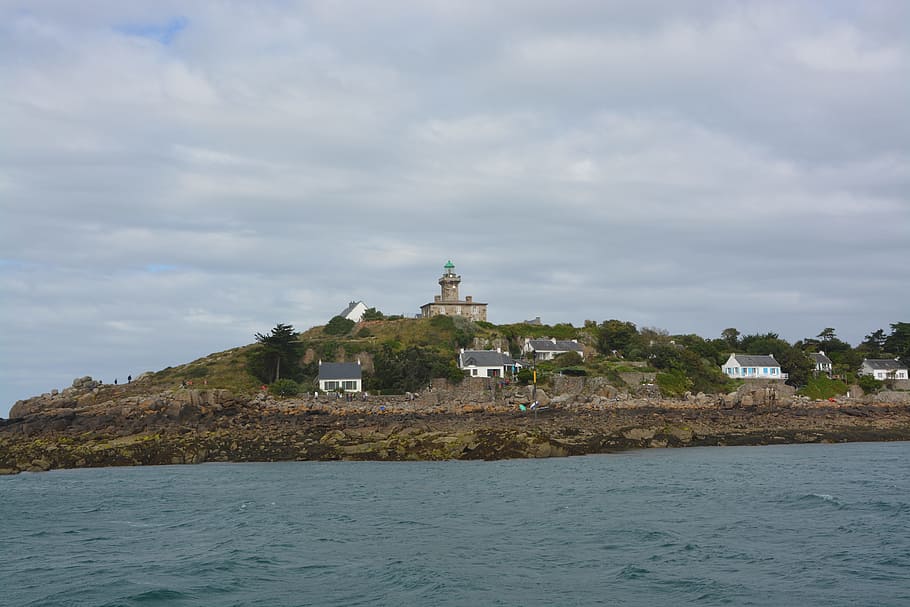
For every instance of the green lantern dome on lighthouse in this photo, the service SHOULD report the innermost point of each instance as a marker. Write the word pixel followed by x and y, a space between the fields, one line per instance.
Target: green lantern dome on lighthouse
pixel 449 265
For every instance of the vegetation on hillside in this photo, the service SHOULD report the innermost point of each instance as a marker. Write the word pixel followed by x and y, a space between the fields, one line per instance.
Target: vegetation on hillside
pixel 402 355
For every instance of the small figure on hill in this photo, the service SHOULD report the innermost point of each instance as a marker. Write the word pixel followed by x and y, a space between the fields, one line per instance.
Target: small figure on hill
pixel 129 378
pixel 115 381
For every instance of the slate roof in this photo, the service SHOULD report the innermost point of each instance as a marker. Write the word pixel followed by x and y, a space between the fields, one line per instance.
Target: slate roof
pixel 819 358
pixel 344 313
pixel 485 358
pixel 339 371
pixel 547 345
pixel 884 364
pixel 755 360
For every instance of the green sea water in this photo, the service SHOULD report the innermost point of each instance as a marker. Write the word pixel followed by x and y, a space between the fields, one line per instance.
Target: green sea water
pixel 784 525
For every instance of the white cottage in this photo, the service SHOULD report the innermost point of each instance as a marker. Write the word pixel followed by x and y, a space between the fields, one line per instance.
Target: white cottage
pixel 340 376
pixel 485 363
pixel 883 368
pixel 822 363
pixel 548 349
pixel 751 366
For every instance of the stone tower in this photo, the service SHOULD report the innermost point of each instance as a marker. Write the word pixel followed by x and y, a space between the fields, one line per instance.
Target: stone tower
pixel 448 302
pixel 449 282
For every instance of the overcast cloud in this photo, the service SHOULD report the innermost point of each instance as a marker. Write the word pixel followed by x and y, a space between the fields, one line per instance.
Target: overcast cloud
pixel 176 176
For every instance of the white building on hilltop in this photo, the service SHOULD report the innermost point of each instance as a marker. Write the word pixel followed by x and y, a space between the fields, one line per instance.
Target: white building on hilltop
pixel 354 311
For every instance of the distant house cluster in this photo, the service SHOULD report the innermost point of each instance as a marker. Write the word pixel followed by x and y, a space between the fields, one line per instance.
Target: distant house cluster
pixel 347 377
pixel 749 366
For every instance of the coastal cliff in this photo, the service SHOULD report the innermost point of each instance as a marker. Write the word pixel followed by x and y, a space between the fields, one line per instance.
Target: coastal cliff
pixel 91 426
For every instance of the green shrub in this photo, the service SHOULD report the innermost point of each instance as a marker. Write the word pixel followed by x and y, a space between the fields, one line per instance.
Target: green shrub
pixel 674 383
pixel 285 387
pixel 869 383
pixel 339 325
pixel 823 387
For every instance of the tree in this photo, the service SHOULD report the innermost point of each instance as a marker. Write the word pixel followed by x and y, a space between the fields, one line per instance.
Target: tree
pixel 731 336
pixel 616 336
pixel 410 369
pixel 827 334
pixel 795 362
pixel 372 314
pixel 339 325
pixel 874 343
pixel 898 343
pixel 285 387
pixel 277 349
pixel 764 343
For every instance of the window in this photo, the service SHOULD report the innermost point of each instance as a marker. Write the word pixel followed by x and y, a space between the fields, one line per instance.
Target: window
pixel 331 385
pixel 349 385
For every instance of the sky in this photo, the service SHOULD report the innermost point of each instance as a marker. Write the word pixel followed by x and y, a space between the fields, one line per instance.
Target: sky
pixel 177 176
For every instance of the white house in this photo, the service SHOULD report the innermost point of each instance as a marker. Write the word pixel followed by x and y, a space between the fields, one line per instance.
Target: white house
pixel 340 376
pixel 485 363
pixel 883 368
pixel 354 311
pixel 822 363
pixel 750 366
pixel 547 349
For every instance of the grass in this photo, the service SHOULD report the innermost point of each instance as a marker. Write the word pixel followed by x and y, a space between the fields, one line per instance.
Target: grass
pixel 823 387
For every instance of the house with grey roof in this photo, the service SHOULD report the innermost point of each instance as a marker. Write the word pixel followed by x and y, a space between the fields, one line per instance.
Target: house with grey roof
pixel 485 363
pixel 752 366
pixel 548 349
pixel 884 368
pixel 822 363
pixel 340 376
pixel 354 311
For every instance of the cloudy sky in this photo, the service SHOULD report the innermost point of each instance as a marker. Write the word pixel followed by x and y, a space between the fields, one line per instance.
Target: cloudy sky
pixel 176 176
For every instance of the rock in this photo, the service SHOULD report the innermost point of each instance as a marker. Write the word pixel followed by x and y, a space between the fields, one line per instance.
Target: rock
pixel 639 434
pixel 39 465
pixel 682 434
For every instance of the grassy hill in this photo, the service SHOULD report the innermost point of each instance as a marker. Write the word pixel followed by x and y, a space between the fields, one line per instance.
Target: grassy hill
pixel 439 338
pixel 403 354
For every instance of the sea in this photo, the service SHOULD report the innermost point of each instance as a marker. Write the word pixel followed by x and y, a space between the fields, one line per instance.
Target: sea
pixel 780 525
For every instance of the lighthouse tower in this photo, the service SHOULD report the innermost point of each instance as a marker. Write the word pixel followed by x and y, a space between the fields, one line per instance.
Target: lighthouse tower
pixel 448 302
pixel 449 282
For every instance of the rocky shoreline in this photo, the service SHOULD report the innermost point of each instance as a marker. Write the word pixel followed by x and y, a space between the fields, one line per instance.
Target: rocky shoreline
pixel 93 426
